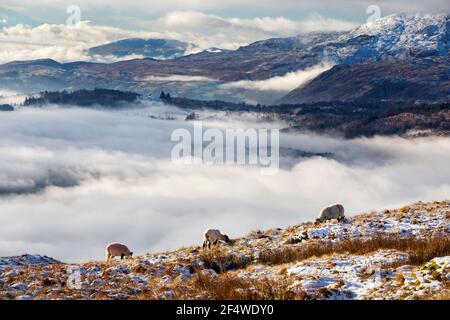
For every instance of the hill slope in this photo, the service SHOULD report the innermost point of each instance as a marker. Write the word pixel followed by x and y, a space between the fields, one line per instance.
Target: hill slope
pixel 396 37
pixel 425 79
pixel 392 254
pixel 148 48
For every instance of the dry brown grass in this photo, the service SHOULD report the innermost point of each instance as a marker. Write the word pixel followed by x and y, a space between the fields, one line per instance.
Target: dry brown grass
pixel 420 251
pixel 443 294
pixel 228 285
pixel 221 261
pixel 232 287
pixel 404 209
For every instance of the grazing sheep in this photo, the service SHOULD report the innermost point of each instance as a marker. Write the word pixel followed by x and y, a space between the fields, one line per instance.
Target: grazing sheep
pixel 212 236
pixel 335 211
pixel 117 250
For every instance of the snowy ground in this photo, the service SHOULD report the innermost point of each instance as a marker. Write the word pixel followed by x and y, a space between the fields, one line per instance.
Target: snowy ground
pixel 381 274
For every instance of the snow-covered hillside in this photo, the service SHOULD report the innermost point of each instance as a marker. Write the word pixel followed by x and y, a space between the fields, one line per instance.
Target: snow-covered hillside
pixel 392 254
pixel 397 36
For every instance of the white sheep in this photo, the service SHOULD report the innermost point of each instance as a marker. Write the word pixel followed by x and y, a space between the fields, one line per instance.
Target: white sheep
pixel 213 236
pixel 335 211
pixel 117 250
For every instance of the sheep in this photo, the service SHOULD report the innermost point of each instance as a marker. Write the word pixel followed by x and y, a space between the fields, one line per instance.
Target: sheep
pixel 117 250
pixel 335 211
pixel 213 236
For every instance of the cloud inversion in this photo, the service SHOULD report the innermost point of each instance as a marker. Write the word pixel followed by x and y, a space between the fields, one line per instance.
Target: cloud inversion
pixel 106 176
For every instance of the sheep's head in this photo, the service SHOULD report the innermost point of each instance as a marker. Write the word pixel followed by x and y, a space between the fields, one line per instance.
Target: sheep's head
pixel 226 238
pixel 128 255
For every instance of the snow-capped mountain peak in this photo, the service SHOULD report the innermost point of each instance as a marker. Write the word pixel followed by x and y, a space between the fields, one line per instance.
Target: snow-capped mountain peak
pixel 397 36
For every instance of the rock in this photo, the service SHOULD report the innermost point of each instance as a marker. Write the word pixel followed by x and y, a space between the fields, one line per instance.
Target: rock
pixel 167 278
pixel 139 280
pixel 119 269
pixel 19 286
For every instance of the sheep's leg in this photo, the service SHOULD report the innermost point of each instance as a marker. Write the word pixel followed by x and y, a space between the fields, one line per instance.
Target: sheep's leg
pixel 108 257
pixel 209 244
pixel 204 245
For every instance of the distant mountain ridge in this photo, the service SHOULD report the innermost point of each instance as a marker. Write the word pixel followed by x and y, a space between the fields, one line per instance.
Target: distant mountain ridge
pixel 148 48
pixel 398 37
pixel 384 60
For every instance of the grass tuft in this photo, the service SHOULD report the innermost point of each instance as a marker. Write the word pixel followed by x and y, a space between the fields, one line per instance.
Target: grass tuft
pixel 419 250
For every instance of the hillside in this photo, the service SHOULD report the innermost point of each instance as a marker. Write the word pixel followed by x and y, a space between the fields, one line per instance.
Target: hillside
pixel 425 79
pixel 148 48
pixel 397 37
pixel 346 119
pixel 391 254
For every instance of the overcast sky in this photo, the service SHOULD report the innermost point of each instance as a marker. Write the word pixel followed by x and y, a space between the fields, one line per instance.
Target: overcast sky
pixel 132 13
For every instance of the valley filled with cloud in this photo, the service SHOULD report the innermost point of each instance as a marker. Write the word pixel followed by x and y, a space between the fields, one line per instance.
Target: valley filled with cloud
pixel 72 180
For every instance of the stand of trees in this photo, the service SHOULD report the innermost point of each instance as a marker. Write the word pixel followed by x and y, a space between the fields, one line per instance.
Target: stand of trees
pixel 6 107
pixel 84 98
pixel 349 119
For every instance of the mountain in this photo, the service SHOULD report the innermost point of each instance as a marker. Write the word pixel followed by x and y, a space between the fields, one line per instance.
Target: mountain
pixel 385 60
pixel 257 61
pixel 424 79
pixel 390 254
pixel 148 48
pixel 397 37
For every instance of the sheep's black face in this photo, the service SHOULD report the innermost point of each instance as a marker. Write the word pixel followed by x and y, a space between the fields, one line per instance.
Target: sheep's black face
pixel 131 254
pixel 227 239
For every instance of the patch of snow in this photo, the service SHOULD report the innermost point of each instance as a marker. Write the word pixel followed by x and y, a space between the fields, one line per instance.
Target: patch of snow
pixel 26 259
pixel 329 271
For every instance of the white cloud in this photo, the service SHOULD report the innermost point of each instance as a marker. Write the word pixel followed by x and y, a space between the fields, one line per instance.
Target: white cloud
pixel 281 25
pixel 124 187
pixel 64 43
pixel 11 97
pixel 287 83
pixel 152 6
pixel 208 30
pixel 60 42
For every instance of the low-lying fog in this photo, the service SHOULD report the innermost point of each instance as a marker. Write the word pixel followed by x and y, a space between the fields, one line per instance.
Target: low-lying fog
pixel 73 180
